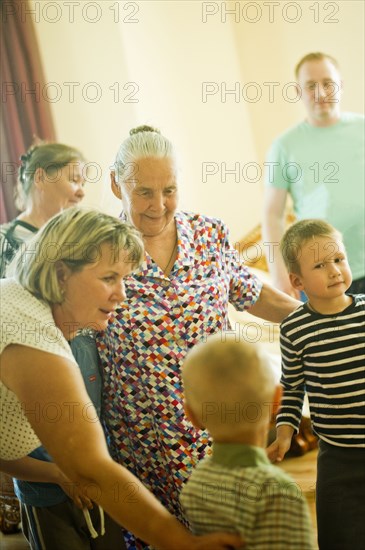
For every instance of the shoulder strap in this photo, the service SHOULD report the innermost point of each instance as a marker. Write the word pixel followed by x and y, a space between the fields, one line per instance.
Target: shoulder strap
pixel 9 244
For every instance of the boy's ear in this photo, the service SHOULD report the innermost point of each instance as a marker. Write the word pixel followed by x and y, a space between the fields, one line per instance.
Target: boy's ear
pixel 191 416
pixel 115 187
pixel 296 281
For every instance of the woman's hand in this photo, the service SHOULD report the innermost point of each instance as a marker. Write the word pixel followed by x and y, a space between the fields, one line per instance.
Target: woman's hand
pixel 217 541
pixel 73 491
pixel 35 470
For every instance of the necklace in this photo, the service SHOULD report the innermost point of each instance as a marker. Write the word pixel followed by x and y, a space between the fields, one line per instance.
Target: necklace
pixel 172 253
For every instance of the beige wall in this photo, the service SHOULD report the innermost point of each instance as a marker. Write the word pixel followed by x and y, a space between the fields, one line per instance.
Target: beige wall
pixel 275 48
pixel 159 55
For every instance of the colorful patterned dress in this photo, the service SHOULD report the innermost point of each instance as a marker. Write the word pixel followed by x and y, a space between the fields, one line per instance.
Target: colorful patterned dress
pixel 145 344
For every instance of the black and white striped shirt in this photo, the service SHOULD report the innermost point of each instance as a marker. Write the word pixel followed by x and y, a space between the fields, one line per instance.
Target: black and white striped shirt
pixel 325 356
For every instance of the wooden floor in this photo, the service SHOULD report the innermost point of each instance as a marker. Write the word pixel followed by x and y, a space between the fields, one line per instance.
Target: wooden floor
pixel 13 542
pixel 302 469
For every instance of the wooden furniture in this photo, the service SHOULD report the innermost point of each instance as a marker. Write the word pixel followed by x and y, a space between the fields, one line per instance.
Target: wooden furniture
pixel 253 251
pixel 9 506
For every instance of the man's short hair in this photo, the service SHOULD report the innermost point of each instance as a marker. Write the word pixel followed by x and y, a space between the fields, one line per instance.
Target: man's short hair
pixel 315 56
pixel 297 235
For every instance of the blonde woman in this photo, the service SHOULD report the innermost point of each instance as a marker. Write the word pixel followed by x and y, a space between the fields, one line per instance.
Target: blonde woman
pixel 72 277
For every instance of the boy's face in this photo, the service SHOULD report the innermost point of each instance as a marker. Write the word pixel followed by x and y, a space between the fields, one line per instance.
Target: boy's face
pixel 324 271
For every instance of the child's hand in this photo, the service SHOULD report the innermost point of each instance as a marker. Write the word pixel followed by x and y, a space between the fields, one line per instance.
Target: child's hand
pixel 278 449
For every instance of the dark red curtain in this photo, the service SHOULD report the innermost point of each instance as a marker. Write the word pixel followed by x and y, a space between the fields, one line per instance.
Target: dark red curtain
pixel 25 112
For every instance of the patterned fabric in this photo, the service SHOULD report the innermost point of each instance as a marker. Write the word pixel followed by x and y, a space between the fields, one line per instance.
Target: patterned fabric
pixel 146 342
pixel 324 355
pixel 238 490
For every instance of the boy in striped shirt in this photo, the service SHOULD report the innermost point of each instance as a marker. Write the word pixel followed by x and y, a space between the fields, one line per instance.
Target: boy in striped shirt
pixel 322 346
pixel 230 389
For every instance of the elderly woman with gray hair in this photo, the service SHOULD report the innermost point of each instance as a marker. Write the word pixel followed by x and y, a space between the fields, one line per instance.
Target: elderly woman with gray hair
pixel 72 277
pixel 177 297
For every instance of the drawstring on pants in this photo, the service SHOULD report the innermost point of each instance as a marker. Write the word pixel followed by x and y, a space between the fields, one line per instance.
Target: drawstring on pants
pixel 94 534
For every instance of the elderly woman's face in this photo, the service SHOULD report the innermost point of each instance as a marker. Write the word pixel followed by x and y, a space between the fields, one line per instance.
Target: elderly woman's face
pixel 149 195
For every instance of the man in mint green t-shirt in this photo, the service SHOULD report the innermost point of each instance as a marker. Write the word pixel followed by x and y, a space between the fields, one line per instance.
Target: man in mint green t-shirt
pixel 320 164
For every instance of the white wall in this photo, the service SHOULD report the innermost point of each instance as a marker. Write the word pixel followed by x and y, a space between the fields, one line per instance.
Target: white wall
pixel 170 54
pixel 162 52
pixel 336 28
pixel 88 114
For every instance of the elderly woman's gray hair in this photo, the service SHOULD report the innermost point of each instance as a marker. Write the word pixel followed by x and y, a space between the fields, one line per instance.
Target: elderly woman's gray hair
pixel 73 237
pixel 143 142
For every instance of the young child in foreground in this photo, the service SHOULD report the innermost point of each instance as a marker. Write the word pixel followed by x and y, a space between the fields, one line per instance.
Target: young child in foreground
pixel 230 390
pixel 322 347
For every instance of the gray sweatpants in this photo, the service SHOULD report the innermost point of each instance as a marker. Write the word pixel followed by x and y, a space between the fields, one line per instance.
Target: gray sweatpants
pixel 63 527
